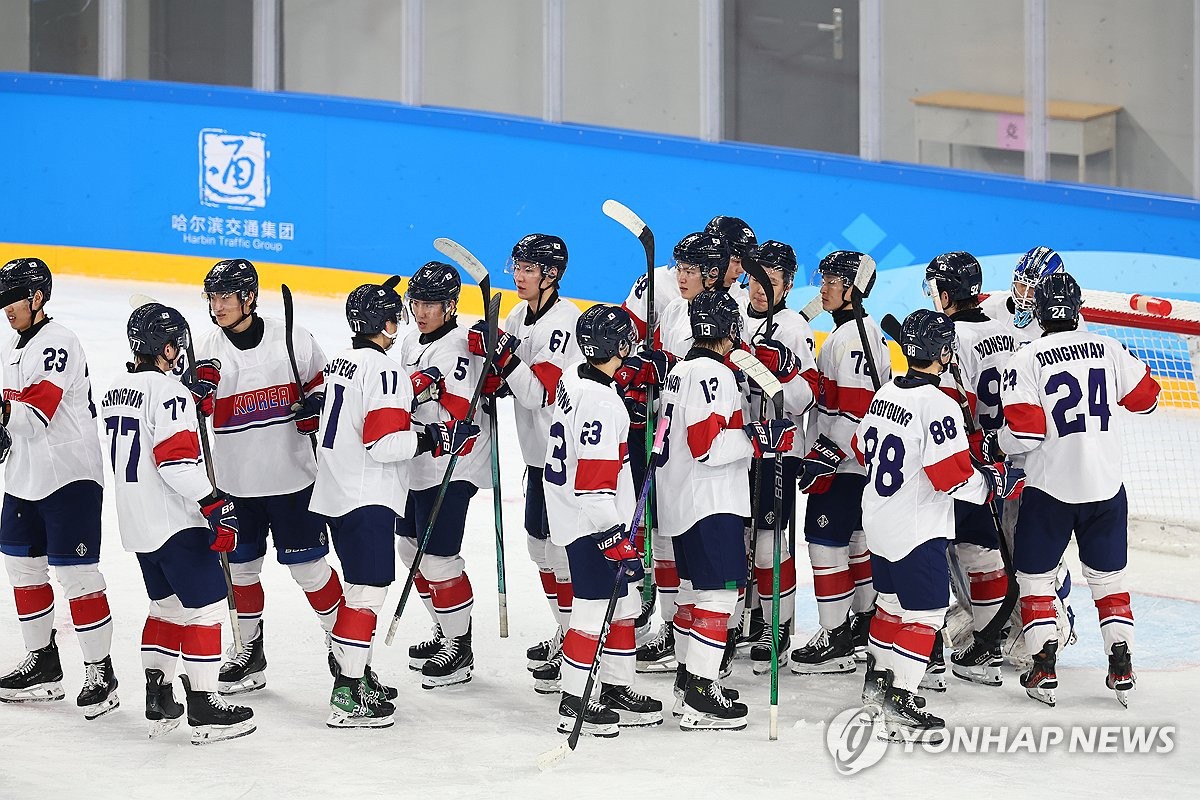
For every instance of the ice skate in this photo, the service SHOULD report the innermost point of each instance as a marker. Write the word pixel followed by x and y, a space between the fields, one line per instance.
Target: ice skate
pixel 978 662
pixel 598 720
pixel 829 652
pixel 645 617
pixel 728 656
pixel 934 678
pixel 1041 680
pixel 541 652
pixel 451 665
pixel 37 678
pixel 99 693
pixel 421 652
pixel 635 709
pixel 354 704
pixel 760 653
pixel 1120 672
pixel 163 711
pixel 748 637
pixel 245 671
pixel 658 655
pixel 546 678
pixel 214 719
pixel 860 632
pixel 874 684
pixel 706 706
pixel 906 720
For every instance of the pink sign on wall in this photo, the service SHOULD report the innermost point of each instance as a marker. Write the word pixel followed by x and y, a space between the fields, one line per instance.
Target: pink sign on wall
pixel 1010 131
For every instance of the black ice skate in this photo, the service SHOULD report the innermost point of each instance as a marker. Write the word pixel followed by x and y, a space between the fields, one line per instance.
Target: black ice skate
pixel 860 632
pixel 905 720
pixel 634 709
pixel 934 678
pixel 829 652
pixel 354 704
pixel 451 665
pixel 598 719
pixel 748 637
pixel 706 706
pixel 36 679
pixel 421 652
pixel 1120 672
pixel 658 655
pixel 1041 679
pixel 163 711
pixel 874 684
pixel 546 677
pixel 645 617
pixel 978 662
pixel 377 686
pixel 543 651
pixel 728 656
pixel 99 693
pixel 245 671
pixel 212 718
pixel 760 653
pixel 682 678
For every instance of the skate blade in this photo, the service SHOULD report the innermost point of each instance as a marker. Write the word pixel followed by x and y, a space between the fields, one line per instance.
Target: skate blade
pixel 341 720
pixel 207 734
pixel 860 655
pixel 110 703
pixel 251 683
pixel 836 666
pixel 530 664
pixel 1123 697
pixel 639 719
pixel 456 679
pixel 417 664
pixel 899 733
pixel 650 667
pixel 161 727
pixel 42 693
pixel 678 709
pixel 567 724
pixel 1041 695
pixel 934 683
pixel 763 667
pixel 693 721
pixel 988 677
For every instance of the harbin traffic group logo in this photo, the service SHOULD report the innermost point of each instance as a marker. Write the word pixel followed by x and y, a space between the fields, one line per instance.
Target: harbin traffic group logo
pixel 853 739
pixel 233 169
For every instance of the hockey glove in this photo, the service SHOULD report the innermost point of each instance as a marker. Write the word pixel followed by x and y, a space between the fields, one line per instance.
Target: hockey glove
pixel 202 383
pixel 820 463
pixel 1003 480
pixel 455 437
pixel 5 443
pixel 494 386
pixel 771 436
pixel 427 384
pixel 647 368
pixel 777 357
pixel 989 450
pixel 635 404
pixel 505 358
pixel 222 519
pixel 616 546
pixel 308 413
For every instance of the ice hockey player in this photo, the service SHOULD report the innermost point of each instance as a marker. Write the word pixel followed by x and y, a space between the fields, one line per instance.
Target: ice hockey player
pixel 444 374
pixel 787 350
pixel 52 495
pixel 589 498
pixel 982 348
pixel 702 262
pixel 1059 395
pixel 535 345
pixel 364 460
pixel 262 455
pixel 914 449
pixel 833 520
pixel 173 518
pixel 709 450
pixel 740 239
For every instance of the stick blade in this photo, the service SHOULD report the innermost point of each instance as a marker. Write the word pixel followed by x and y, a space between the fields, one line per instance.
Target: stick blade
pixel 865 274
pixel 756 371
pixel 461 256
pixel 891 326
pixel 813 309
pixel 554 757
pixel 622 214
pixel 137 300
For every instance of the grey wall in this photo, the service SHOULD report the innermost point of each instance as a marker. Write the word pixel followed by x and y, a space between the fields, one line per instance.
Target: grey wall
pixel 14 37
pixel 352 47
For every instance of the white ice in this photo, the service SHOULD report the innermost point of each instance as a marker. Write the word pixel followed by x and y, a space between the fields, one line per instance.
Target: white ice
pixel 482 739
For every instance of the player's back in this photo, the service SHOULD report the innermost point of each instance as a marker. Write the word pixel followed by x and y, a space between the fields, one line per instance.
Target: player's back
pixel 983 346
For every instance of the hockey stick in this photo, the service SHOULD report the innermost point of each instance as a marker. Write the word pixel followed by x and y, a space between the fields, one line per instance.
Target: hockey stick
pixel 137 301
pixel 770 386
pixel 862 280
pixel 553 756
pixel 289 325
pixel 634 224
pixel 471 264
pixel 497 512
pixel 813 309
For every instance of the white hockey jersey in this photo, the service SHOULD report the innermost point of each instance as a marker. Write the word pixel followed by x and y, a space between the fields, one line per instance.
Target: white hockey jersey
pixel 791 329
pixel 914 449
pixel 547 348
pixel 447 350
pixel 983 347
pixel 1060 394
pixel 675 329
pixel 367 438
pixel 256 449
pixel 707 454
pixel 52 419
pixel 159 475
pixel 844 385
pixel 666 289
pixel 587 479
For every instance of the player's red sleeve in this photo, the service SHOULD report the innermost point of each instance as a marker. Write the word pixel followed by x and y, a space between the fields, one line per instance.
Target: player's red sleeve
pixel 950 472
pixel 382 421
pixel 597 475
pixel 44 398
pixel 700 435
pixel 548 375
pixel 179 447
pixel 1142 398
pixel 857 452
pixel 1026 420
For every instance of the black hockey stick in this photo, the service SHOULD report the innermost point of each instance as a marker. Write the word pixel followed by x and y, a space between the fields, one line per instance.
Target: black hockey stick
pixel 634 224
pixel 472 265
pixel 862 280
pixel 551 757
pixel 289 324
pixel 137 301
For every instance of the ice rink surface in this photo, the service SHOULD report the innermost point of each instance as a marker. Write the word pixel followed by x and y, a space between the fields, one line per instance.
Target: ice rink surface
pixel 482 739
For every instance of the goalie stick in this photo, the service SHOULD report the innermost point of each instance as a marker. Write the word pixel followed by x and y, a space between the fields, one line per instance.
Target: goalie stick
pixel 467 261
pixel 553 756
pixel 622 214
pixel 770 386
pixel 137 301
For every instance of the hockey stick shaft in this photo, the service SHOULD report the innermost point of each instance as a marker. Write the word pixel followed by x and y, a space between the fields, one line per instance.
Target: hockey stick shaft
pixel 289 324
pixel 498 513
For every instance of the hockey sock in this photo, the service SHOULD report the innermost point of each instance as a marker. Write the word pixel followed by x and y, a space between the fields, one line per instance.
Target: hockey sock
pixel 93 625
pixel 322 588
pixel 352 634
pixel 201 649
pixel 452 601
pixel 739 610
pixel 161 641
pixel 426 594
pixel 564 595
pixel 682 625
pixel 249 600
pixel 988 582
pixel 550 589
pixel 579 649
pixel 1038 618
pixel 860 573
pixel 910 654
pixel 832 583
pixel 710 631
pixel 1112 604
pixel 35 610
pixel 787 590
pixel 884 627
pixel 618 664
pixel 666 578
